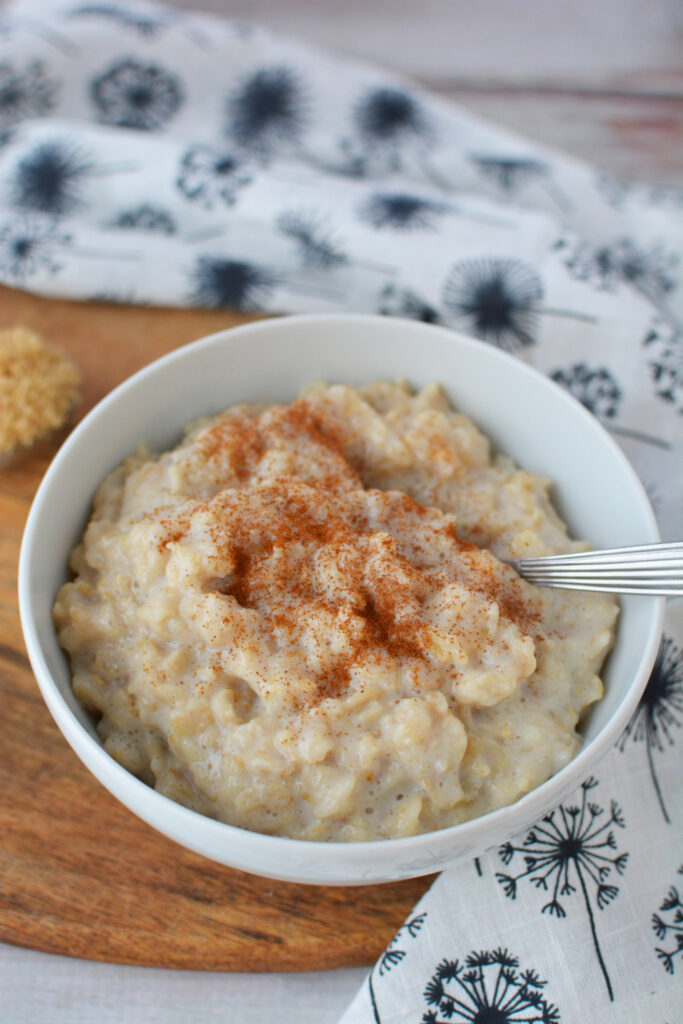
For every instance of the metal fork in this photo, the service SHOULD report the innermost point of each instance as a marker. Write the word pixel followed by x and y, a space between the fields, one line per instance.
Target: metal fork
pixel 655 569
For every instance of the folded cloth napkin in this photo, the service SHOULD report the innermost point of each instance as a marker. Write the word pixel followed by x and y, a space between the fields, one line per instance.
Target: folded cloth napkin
pixel 149 156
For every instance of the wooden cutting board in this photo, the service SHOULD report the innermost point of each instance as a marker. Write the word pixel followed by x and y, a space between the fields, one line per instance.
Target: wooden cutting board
pixel 80 874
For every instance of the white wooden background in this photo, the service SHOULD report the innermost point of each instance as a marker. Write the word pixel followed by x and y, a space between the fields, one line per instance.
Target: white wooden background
pixel 602 79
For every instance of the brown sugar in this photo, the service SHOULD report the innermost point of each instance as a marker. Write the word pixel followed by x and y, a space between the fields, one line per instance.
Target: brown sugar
pixel 38 388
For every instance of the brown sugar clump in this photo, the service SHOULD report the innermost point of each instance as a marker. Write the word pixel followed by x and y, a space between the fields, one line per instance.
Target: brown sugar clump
pixel 38 388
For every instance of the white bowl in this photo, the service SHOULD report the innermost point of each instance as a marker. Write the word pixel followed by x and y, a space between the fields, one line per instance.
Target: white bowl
pixel 526 415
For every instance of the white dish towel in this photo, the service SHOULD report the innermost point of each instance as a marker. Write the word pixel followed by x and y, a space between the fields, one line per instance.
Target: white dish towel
pixel 148 156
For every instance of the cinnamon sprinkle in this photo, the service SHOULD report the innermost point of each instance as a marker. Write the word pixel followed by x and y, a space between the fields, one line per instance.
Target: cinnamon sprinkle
pixel 235 440
pixel 271 537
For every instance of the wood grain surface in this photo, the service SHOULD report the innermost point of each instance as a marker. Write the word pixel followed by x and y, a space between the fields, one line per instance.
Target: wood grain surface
pixel 80 874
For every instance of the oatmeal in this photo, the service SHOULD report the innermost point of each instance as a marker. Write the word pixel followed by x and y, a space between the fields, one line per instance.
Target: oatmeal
pixel 297 621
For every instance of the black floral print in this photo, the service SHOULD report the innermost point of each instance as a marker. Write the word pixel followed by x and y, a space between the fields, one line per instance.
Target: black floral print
pixel 389 124
pixel 212 176
pixel 400 211
pixel 596 389
pixel 570 846
pixel 649 270
pixel 268 110
pixel 50 177
pixel 659 711
pixel 387 117
pixel 392 955
pixel 508 173
pixel 592 263
pixel 315 241
pixel 396 301
pixel 233 284
pixel 146 217
pixel 319 248
pixel 135 95
pixel 29 246
pixel 495 300
pixel 665 344
pixel 25 92
pixel 671 929
pixel 488 988
pixel 405 211
pixel 617 193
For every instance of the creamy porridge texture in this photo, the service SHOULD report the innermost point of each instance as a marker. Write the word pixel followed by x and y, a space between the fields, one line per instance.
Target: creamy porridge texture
pixel 297 621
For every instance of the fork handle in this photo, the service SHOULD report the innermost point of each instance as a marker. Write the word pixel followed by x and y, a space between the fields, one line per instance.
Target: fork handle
pixel 655 569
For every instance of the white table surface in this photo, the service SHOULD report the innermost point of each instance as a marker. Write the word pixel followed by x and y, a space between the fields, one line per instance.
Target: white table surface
pixel 601 80
pixel 39 988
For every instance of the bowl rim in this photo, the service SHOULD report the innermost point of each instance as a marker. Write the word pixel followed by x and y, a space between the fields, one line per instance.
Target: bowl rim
pixel 98 761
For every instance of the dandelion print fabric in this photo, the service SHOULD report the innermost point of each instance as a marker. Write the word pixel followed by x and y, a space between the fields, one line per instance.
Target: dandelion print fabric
pixel 155 157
